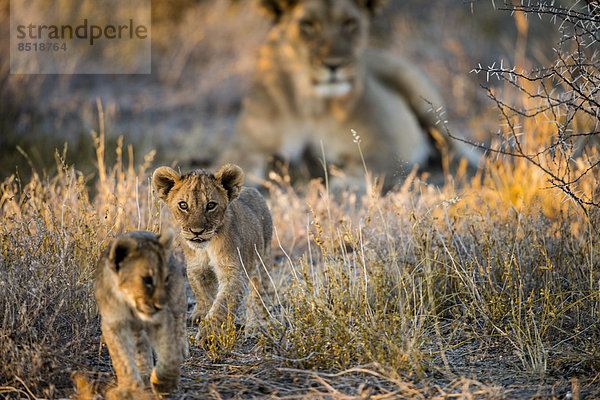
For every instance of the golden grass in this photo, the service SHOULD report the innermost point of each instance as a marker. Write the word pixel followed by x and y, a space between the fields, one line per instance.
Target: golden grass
pixel 395 281
pixel 393 286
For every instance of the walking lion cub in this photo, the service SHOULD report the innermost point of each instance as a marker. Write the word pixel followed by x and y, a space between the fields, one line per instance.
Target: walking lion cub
pixel 226 232
pixel 140 290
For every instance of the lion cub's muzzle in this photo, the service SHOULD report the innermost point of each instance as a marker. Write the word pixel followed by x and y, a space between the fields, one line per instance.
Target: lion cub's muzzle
pixel 147 311
pixel 198 236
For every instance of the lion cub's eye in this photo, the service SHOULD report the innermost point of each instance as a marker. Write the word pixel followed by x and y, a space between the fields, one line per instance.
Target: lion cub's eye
pixel 148 281
pixel 183 205
pixel 211 205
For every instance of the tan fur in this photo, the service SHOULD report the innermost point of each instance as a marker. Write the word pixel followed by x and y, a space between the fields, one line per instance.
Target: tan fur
pixel 140 291
pixel 296 102
pixel 214 239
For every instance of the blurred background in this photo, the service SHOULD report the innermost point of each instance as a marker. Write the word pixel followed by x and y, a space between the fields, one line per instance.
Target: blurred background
pixel 203 55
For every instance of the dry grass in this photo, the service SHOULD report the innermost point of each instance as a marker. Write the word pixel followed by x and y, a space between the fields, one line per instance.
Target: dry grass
pixel 394 287
pixel 487 287
pixel 424 268
pixel 52 231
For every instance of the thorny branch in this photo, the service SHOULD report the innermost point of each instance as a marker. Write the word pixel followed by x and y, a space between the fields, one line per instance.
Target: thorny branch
pixel 565 95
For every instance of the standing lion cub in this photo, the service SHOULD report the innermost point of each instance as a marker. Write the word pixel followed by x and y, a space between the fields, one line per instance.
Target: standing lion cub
pixel 226 232
pixel 140 290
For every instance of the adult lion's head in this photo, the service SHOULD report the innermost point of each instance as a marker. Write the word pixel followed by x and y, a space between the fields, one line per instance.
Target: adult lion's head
pixel 325 39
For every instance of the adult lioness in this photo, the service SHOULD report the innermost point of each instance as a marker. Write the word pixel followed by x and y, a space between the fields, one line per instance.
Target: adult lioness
pixel 317 80
pixel 226 232
pixel 139 288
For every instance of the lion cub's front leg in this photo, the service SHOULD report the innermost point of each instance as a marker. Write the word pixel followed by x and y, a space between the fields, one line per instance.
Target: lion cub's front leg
pixel 121 343
pixel 204 283
pixel 130 381
pixel 181 335
pixel 143 355
pixel 165 376
pixel 230 292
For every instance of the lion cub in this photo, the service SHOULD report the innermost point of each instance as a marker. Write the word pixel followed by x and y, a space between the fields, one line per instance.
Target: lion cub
pixel 226 232
pixel 140 290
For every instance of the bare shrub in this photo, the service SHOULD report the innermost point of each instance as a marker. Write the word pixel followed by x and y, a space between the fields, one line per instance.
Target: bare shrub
pixel 550 117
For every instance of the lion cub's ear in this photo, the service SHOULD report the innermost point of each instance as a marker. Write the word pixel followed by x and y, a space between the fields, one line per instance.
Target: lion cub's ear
pixel 163 180
pixel 166 238
pixel 231 177
pixel 120 248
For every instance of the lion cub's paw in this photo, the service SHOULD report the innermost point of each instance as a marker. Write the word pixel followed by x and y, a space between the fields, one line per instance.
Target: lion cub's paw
pixel 196 317
pixel 160 386
pixel 126 393
pixel 201 334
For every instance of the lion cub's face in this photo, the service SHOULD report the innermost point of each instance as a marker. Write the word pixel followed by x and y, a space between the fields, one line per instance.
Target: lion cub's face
pixel 198 200
pixel 139 261
pixel 326 37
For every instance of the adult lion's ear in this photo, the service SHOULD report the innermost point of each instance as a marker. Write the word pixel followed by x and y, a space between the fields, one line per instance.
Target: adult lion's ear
pixel 276 8
pixel 231 177
pixel 120 248
pixel 373 6
pixel 163 180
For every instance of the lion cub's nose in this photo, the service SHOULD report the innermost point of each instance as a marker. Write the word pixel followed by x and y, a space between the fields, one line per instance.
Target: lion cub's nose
pixel 197 233
pixel 161 302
